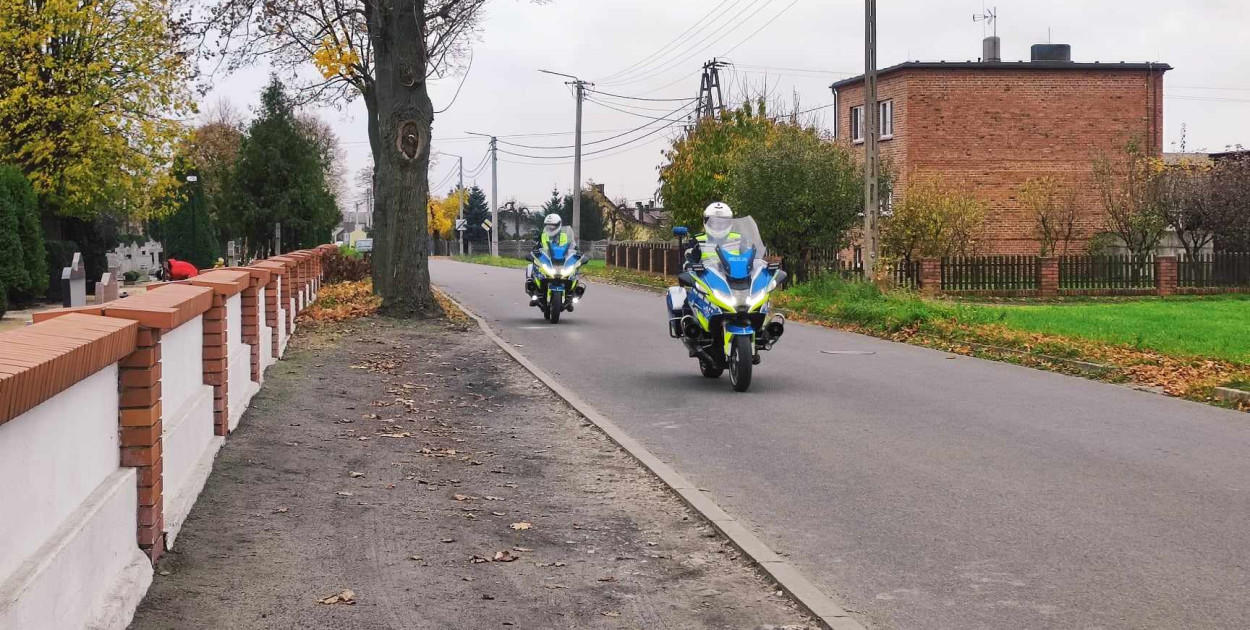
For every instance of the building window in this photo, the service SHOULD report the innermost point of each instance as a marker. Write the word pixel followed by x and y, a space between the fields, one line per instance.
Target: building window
pixel 886 120
pixel 857 123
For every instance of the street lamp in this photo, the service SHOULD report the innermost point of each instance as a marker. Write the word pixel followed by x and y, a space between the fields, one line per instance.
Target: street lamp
pixel 195 244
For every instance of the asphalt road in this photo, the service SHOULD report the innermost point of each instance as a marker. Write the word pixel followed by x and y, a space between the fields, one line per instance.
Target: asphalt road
pixel 921 490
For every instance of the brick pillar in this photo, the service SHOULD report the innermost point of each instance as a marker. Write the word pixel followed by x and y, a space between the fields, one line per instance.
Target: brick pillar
pixel 271 313
pixel 217 363
pixel 251 323
pixel 931 276
pixel 1048 276
pixel 1165 275
pixel 286 300
pixel 139 418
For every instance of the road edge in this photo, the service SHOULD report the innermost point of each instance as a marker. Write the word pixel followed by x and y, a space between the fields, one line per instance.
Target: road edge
pixel 818 605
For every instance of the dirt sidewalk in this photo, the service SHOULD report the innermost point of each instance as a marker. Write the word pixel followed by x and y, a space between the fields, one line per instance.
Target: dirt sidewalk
pixel 417 466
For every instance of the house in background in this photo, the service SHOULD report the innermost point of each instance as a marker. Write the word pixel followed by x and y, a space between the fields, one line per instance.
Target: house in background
pixel 993 125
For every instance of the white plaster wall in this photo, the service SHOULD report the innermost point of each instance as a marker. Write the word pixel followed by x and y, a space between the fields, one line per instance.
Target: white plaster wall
pixel 242 388
pixel 89 573
pixel 182 374
pixel 51 458
pixel 68 553
pixel 188 442
pixel 266 336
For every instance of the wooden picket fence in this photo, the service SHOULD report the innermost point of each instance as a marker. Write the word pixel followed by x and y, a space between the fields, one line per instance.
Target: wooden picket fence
pixel 1106 272
pixel 989 273
pixel 1221 269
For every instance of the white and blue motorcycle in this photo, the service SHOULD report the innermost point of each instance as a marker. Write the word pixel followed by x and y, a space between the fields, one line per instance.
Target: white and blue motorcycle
pixel 554 275
pixel 720 309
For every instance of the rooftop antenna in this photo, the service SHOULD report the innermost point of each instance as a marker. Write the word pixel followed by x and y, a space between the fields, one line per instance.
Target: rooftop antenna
pixel 990 18
pixel 991 51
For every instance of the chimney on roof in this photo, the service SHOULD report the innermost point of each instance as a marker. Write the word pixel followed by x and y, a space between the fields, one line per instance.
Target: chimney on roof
pixel 991 49
pixel 638 211
pixel 1051 52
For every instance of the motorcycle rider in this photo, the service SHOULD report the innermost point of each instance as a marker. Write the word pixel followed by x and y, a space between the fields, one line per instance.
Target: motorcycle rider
pixel 717 226
pixel 552 232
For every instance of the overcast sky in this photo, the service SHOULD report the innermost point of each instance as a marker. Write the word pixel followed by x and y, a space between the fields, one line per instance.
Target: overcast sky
pixel 796 46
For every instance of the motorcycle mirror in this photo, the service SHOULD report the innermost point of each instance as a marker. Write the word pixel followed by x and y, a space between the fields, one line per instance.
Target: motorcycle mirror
pixel 680 230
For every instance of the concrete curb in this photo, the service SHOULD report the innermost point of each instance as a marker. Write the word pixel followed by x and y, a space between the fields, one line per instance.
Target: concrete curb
pixel 787 576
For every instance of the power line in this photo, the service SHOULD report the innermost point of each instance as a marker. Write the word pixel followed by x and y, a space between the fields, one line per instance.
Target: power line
pixel 565 157
pixel 623 111
pixel 765 25
pixel 636 98
pixel 663 49
pixel 642 108
pixel 601 140
pixel 593 159
pixel 749 66
pixel 718 34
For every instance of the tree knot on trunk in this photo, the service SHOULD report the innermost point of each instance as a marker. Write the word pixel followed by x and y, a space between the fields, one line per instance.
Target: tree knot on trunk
pixel 411 139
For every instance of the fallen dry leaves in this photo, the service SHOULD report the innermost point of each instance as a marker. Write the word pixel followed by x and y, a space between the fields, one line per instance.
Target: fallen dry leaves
pixel 342 301
pixel 345 597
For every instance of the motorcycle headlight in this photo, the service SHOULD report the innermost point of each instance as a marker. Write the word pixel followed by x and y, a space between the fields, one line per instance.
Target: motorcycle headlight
pixel 725 298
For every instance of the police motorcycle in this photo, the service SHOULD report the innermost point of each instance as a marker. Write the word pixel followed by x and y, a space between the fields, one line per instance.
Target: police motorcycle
pixel 555 274
pixel 720 309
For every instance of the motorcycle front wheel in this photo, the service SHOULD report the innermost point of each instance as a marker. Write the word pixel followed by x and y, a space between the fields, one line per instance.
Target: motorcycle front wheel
pixel 553 313
pixel 740 357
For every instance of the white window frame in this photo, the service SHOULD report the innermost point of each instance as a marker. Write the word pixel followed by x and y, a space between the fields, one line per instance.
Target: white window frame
pixel 857 124
pixel 885 119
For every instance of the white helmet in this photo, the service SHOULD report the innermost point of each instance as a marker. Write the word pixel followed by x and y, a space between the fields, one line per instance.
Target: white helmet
pixel 717 220
pixel 551 224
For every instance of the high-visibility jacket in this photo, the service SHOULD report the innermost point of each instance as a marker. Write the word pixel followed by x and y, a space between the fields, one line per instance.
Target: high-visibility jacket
pixel 701 238
pixel 545 240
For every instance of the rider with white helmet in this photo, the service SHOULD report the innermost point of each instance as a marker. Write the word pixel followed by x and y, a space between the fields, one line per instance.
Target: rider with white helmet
pixel 717 228
pixel 553 231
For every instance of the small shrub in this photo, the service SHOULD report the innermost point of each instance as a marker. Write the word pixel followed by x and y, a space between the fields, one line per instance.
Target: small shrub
pixel 131 276
pixel 340 267
pixel 351 252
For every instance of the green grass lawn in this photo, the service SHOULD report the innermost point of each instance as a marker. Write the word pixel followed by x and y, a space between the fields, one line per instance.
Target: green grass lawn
pixel 495 261
pixel 1215 326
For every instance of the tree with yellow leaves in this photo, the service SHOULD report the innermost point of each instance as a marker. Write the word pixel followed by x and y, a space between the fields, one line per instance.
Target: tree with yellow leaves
pixel 90 96
pixel 443 211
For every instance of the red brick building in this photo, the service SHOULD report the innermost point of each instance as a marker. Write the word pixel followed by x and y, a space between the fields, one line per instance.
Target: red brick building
pixel 994 125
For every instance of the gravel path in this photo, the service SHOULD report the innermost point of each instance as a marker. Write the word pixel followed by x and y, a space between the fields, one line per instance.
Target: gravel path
pixel 416 466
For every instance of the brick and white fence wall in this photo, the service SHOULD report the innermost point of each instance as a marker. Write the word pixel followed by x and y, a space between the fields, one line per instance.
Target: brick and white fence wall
pixel 111 417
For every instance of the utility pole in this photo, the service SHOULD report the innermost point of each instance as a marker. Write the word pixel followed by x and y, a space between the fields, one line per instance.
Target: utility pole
pixel 460 197
pixel 710 104
pixel 580 87
pixel 872 205
pixel 494 191
pixel 494 198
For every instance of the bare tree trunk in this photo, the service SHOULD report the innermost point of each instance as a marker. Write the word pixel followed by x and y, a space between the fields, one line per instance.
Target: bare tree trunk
pixel 403 118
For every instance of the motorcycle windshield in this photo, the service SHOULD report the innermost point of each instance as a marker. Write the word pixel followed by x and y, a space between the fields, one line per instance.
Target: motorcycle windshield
pixel 559 245
pixel 735 254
